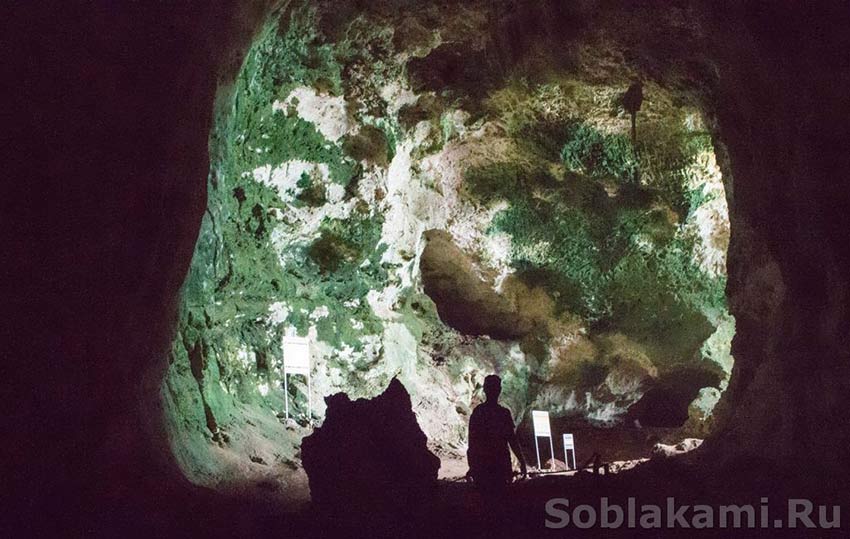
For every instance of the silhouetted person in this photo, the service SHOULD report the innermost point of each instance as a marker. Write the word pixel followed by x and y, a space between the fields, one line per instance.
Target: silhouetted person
pixel 632 100
pixel 491 432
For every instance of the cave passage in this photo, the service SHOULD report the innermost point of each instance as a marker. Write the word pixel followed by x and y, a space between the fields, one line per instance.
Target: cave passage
pixel 417 210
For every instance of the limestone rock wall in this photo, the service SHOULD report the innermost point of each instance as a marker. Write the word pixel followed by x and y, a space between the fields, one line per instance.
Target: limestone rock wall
pixel 435 227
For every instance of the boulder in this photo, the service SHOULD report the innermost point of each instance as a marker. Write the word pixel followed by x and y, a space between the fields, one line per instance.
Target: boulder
pixel 554 465
pixel 369 455
pixel 666 451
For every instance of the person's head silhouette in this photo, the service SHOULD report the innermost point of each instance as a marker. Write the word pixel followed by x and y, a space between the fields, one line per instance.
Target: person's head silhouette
pixel 492 387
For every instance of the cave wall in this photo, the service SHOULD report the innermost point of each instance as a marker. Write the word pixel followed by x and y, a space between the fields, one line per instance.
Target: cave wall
pixel 116 99
pixel 99 236
pixel 415 223
pixel 778 106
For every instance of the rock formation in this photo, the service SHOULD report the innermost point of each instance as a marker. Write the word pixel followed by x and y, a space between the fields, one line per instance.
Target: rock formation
pixel 667 451
pixel 464 300
pixel 369 455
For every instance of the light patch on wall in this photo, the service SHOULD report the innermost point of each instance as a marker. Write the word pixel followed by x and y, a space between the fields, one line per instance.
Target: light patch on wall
pixel 278 312
pixel 328 113
pixel 319 313
pixel 284 178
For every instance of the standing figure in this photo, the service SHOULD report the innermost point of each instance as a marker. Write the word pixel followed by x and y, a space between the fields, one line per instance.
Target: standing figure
pixel 632 100
pixel 491 433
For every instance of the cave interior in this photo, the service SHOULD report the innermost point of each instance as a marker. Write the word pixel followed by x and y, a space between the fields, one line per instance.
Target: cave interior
pixel 635 214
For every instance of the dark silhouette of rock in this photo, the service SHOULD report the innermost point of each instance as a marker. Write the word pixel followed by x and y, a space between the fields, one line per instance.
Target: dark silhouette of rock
pixel 369 455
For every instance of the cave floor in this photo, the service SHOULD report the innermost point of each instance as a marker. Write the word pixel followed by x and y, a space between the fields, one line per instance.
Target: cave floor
pixel 286 486
pixel 456 509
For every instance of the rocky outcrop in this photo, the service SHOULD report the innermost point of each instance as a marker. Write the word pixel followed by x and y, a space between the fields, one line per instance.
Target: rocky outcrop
pixel 667 398
pixel 662 451
pixel 369 454
pixel 464 300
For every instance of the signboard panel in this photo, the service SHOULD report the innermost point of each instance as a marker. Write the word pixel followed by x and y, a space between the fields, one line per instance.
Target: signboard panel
pixel 296 355
pixel 569 450
pixel 541 423
pixel 296 360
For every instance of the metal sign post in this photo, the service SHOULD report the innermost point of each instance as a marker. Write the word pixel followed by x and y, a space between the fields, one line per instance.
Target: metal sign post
pixel 569 444
pixel 296 360
pixel 540 421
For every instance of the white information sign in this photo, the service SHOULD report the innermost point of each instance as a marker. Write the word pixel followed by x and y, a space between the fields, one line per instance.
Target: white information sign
pixel 569 445
pixel 541 423
pixel 542 429
pixel 296 361
pixel 296 355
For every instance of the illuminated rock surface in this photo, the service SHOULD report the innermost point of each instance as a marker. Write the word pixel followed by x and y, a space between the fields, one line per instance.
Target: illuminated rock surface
pixel 421 213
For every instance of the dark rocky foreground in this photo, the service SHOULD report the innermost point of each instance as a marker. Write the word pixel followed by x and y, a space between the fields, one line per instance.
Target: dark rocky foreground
pixel 369 455
pixel 371 474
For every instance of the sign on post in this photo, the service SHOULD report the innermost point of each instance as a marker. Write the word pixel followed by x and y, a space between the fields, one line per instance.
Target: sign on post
pixel 569 445
pixel 542 429
pixel 296 360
